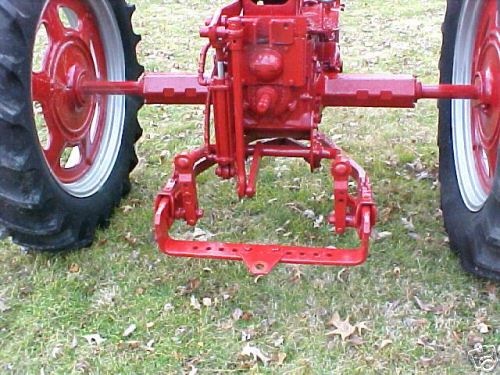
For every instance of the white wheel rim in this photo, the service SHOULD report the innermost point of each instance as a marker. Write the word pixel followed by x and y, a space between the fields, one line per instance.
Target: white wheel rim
pixel 473 193
pixel 114 112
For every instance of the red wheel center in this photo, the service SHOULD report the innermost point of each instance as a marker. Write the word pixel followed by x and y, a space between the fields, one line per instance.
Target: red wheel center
pixel 74 123
pixel 486 112
pixel 73 112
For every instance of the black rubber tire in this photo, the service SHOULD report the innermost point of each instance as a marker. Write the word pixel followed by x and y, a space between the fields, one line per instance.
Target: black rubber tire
pixel 474 236
pixel 37 213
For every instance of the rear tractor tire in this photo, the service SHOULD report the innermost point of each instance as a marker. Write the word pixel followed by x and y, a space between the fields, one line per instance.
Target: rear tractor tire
pixel 469 133
pixel 64 160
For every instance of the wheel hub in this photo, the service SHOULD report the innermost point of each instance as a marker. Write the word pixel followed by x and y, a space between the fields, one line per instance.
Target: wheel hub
pixel 74 113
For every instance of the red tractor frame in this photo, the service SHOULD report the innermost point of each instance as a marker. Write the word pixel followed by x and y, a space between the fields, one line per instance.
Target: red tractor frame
pixel 276 66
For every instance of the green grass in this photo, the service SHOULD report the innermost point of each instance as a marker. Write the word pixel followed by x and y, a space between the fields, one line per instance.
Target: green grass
pixel 123 279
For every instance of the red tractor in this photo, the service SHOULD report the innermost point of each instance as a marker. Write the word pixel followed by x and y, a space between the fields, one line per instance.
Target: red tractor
pixel 268 70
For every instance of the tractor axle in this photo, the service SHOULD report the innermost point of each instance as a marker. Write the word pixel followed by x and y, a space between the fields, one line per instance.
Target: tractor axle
pixel 338 90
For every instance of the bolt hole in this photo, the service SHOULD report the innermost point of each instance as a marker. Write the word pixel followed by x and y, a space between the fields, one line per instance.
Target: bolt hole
pixel 209 248
pixel 260 266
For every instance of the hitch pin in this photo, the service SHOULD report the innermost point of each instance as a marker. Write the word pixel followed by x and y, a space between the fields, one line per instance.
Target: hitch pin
pixel 220 70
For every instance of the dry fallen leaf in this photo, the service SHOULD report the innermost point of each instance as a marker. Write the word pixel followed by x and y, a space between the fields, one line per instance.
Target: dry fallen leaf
pixel 473 339
pixel 149 346
pixel 57 351
pixel 379 236
pixel 342 327
pixel 247 315
pixel 74 268
pixel 384 343
pixel 195 304
pixel 94 339
pixel 356 341
pixel 255 353
pixel 168 307
pixel 361 326
pixel 207 302
pixel 191 286
pixel 278 358
pixel 130 329
pixel 74 343
pixel 131 239
pixel 133 344
pixel 237 314
pixel 424 306
pixel 3 306
pixel 483 328
pixel 202 235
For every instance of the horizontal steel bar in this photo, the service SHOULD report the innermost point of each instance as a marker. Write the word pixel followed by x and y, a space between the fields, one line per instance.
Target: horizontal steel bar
pixel 391 91
pixel 339 90
pixel 155 88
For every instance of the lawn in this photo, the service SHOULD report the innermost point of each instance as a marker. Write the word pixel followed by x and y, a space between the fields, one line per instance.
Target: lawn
pixel 122 307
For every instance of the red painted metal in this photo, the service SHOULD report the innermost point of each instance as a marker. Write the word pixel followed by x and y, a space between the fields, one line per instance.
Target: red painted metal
pixel 277 66
pixel 486 113
pixel 73 55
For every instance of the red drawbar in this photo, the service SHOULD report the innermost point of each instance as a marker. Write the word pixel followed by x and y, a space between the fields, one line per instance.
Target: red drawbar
pixel 178 201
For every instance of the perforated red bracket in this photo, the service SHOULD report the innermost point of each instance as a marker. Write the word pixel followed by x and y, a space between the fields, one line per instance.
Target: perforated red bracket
pixel 177 201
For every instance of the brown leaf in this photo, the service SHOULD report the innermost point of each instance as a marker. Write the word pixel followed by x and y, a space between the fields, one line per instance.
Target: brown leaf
pixel 491 290
pixel 255 353
pixel 278 358
pixel 424 306
pixel 191 286
pixel 426 362
pixel 360 327
pixel 134 344
pixel 473 339
pixel 74 268
pixel 247 315
pixel 384 343
pixel 342 327
pixel 131 239
pixel 356 341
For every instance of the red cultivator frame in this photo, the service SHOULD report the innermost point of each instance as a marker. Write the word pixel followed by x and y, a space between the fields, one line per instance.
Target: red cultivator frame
pixel 276 66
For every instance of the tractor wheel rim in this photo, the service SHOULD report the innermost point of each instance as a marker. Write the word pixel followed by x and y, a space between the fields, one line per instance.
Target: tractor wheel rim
pixel 83 134
pixel 476 124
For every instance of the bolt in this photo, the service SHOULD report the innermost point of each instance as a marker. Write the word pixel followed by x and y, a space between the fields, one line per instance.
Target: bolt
pixel 341 169
pixel 182 162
